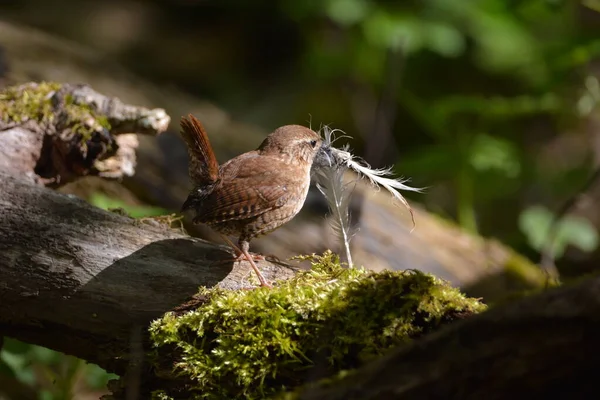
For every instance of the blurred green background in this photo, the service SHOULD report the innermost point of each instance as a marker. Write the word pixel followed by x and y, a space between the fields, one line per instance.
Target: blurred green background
pixel 492 105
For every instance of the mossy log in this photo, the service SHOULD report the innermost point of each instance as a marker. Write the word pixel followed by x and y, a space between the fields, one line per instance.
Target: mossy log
pixel 251 344
pixel 541 347
pixel 88 282
pixel 55 133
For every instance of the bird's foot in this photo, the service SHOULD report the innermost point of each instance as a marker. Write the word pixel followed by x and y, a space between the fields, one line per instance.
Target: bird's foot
pixel 251 258
pixel 254 256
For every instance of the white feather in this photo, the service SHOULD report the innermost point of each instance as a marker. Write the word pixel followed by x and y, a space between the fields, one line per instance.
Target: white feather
pixel 377 177
pixel 330 182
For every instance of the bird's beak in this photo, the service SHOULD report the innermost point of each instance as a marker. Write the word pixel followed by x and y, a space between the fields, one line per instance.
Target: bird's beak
pixel 324 157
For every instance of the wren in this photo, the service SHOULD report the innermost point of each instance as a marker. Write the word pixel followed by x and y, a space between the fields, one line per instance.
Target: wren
pixel 255 192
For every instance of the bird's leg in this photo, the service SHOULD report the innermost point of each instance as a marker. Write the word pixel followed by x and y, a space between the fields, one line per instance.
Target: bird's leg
pixel 244 247
pixel 243 253
pixel 239 255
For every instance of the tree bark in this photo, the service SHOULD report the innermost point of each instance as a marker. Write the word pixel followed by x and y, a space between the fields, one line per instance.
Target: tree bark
pixel 78 279
pixel 544 346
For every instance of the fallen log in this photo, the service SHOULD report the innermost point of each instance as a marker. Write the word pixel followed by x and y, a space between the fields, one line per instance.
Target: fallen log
pixel 78 279
pixel 539 347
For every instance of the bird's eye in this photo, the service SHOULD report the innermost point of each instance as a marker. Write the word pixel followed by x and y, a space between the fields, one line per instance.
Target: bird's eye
pixel 313 143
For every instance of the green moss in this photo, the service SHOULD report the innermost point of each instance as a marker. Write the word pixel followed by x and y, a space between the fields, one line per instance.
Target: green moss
pixel 521 269
pixel 253 344
pixel 22 103
pixel 34 101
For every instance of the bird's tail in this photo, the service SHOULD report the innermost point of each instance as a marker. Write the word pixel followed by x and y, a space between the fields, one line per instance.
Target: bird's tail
pixel 203 167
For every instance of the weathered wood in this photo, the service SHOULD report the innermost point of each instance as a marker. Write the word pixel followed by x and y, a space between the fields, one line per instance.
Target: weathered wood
pixel 78 279
pixel 544 346
pixel 56 133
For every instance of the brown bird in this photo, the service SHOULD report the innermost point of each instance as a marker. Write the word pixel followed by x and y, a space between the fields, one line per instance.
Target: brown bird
pixel 253 193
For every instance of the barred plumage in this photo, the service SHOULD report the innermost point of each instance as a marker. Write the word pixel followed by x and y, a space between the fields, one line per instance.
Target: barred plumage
pixel 255 192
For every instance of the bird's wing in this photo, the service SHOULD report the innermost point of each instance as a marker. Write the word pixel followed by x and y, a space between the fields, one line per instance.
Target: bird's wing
pixel 248 189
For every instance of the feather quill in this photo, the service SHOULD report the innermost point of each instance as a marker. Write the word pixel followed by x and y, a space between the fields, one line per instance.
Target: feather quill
pixel 330 182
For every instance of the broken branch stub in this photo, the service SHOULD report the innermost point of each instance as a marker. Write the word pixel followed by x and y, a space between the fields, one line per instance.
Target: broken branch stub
pixel 57 132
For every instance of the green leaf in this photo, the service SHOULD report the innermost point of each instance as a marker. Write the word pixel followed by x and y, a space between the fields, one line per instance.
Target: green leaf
pixel 535 221
pixel 589 101
pixel 13 361
pixel 504 44
pixel 18 363
pixel 15 346
pixel 385 30
pixel 44 355
pixel 492 153
pixel 445 39
pixel 46 394
pixel 6 369
pixel 26 375
pixel 497 107
pixel 96 377
pixel 580 233
pixel 347 12
pixel 367 61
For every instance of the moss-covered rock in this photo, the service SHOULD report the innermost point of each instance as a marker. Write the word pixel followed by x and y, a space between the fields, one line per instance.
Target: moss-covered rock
pixel 254 344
